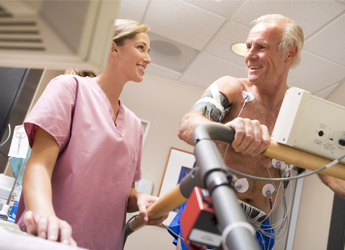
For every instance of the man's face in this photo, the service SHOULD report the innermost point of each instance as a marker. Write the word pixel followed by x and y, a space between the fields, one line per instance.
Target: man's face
pixel 264 62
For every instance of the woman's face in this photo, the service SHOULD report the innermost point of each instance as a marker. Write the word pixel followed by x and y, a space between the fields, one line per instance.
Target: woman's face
pixel 134 56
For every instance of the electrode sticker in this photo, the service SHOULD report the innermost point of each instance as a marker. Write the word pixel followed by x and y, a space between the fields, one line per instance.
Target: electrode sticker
pixel 247 96
pixel 241 185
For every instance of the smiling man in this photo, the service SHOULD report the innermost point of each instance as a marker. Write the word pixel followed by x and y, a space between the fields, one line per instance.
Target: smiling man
pixel 251 106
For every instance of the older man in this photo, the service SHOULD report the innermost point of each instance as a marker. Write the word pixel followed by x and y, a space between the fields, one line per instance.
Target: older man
pixel 250 106
pixel 273 47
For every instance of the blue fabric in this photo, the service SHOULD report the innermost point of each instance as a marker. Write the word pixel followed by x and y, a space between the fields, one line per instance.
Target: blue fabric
pixel 175 226
pixel 15 165
pixel 265 242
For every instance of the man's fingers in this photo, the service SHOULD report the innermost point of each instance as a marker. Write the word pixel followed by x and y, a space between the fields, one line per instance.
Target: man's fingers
pixel 251 137
pixel 240 132
pixel 263 140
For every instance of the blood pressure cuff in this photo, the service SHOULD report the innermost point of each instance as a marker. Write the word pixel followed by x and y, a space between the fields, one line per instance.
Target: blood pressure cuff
pixel 213 104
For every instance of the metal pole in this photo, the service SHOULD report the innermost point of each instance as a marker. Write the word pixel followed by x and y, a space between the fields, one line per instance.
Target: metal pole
pixel 15 181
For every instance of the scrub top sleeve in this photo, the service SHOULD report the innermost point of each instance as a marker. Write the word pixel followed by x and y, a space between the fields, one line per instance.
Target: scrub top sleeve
pixel 53 111
pixel 137 175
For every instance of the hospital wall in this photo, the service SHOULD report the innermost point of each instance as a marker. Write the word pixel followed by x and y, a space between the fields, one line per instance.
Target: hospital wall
pixel 163 102
pixel 316 203
pixel 314 215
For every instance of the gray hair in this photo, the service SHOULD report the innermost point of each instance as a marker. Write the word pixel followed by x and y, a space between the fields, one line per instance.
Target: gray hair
pixel 293 34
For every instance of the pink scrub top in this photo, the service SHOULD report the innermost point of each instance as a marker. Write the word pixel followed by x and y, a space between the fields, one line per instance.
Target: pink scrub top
pixel 98 160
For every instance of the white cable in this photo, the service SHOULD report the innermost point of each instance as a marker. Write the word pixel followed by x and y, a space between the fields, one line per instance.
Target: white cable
pixel 9 135
pixel 283 221
pixel 171 231
pixel 289 178
pixel 215 92
pixel 286 210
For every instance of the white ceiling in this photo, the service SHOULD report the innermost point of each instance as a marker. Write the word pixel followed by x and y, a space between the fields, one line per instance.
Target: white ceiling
pixel 190 39
pixel 203 30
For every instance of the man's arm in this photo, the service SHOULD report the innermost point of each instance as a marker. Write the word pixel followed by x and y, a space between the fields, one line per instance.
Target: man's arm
pixel 188 123
pixel 212 106
pixel 336 185
pixel 251 137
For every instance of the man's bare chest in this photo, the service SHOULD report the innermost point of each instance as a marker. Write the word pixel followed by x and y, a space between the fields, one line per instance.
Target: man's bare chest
pixel 265 115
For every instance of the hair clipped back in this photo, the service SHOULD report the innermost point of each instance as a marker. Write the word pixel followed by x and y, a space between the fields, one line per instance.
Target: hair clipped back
pixel 127 29
pixel 293 34
pixel 78 72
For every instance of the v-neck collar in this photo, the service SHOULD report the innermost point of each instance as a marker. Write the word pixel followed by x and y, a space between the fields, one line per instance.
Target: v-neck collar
pixel 119 118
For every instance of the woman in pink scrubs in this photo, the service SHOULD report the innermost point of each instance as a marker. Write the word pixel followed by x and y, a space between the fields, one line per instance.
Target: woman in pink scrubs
pixel 86 151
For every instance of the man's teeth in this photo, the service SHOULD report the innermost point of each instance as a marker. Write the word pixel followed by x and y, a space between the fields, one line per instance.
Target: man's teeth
pixel 142 68
pixel 254 67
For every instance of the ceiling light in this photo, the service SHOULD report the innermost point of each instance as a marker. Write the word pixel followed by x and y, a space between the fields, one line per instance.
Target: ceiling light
pixel 239 48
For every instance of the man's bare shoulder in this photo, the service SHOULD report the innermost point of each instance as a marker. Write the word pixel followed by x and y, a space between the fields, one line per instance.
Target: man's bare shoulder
pixel 230 83
pixel 231 87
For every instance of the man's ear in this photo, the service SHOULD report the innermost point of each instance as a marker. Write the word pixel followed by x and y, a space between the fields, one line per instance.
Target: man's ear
pixel 292 53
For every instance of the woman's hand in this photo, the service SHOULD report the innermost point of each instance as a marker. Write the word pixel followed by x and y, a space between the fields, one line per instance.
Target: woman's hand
pixel 49 227
pixel 143 202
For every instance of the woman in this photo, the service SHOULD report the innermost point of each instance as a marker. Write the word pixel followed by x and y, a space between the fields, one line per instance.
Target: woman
pixel 86 151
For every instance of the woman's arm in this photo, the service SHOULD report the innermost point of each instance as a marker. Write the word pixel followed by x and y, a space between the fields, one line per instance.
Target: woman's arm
pixel 40 218
pixel 138 201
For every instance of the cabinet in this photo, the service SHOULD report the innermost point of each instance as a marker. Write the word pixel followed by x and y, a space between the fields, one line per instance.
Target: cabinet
pixel 17 88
